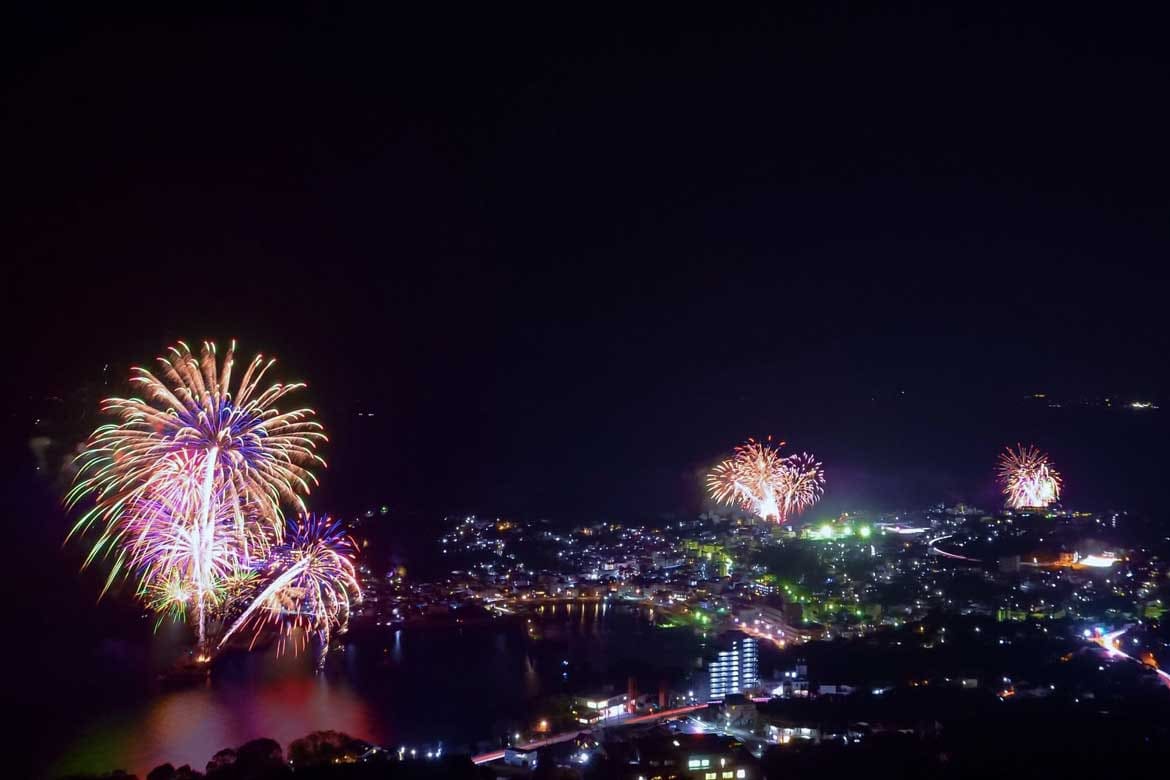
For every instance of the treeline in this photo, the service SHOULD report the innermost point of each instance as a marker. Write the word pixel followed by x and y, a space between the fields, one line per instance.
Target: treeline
pixel 328 755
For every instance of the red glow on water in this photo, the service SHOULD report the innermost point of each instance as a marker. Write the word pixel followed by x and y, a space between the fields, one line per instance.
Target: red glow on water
pixel 190 726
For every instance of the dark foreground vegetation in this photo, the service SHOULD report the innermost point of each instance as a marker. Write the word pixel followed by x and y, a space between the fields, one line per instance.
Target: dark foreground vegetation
pixel 1029 741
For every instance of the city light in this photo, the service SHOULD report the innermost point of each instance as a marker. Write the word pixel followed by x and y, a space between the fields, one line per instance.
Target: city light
pixel 1098 561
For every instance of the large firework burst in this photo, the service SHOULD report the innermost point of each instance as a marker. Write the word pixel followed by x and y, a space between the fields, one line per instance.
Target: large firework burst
pixel 259 455
pixel 1028 478
pixel 187 484
pixel 763 481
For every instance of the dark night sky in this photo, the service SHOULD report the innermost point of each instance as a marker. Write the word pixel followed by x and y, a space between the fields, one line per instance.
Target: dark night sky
pixel 568 259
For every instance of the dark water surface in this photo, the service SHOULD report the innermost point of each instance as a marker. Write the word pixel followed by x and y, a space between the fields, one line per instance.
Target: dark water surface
pixel 455 684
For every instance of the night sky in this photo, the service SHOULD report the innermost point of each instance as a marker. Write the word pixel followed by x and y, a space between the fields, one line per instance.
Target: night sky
pixel 569 259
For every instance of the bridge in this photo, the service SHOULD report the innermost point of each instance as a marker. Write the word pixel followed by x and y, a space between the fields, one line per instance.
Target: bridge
pixel 565 736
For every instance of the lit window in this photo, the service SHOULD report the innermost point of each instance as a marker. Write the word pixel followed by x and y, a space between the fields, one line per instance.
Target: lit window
pixel 710 776
pixel 741 773
pixel 728 775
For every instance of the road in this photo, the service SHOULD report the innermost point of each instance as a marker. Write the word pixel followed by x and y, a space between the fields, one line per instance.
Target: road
pixel 1111 643
pixel 780 641
pixel 565 736
pixel 955 556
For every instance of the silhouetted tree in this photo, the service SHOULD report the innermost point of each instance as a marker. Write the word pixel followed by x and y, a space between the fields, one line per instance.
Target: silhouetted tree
pixel 222 760
pixel 320 747
pixel 168 772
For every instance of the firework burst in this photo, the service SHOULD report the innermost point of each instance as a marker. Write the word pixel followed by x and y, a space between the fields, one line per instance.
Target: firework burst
pixel 750 478
pixel 1028 478
pixel 181 554
pixel 186 486
pixel 259 456
pixel 802 485
pixel 311 585
pixel 761 480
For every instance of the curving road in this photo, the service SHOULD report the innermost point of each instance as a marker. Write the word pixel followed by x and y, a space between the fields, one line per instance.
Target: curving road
pixel 945 554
